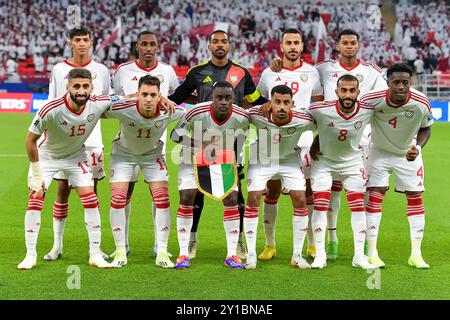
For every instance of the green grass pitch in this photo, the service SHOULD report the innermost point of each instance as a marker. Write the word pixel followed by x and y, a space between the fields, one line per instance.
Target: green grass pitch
pixel 208 278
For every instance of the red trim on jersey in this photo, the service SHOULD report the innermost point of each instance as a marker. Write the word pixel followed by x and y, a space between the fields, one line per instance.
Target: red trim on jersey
pixel 421 99
pixel 343 116
pixel 70 109
pixel 321 105
pixel 139 111
pixel 214 118
pixel 123 105
pixel 240 112
pixel 395 107
pixel 121 65
pixel 45 138
pixel 196 111
pixel 145 69
pixel 75 66
pixel 373 95
pixel 49 106
pixel 322 62
pixel 293 69
pixel 291 116
pixel 351 68
pixel 100 98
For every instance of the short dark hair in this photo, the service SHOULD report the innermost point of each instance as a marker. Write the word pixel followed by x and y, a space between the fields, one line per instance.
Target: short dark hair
pixel 346 32
pixel 149 80
pixel 291 30
pixel 347 77
pixel 80 31
pixel 145 32
pixel 217 31
pixel 222 84
pixel 281 89
pixel 399 67
pixel 79 73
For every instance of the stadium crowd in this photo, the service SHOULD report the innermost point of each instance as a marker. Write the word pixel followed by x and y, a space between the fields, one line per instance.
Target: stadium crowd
pixel 33 46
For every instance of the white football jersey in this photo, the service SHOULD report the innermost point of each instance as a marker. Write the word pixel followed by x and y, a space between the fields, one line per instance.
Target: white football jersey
pixel 66 131
pixel 127 75
pixel 394 128
pixel 304 82
pixel 339 133
pixel 139 135
pixel 101 81
pixel 278 142
pixel 368 74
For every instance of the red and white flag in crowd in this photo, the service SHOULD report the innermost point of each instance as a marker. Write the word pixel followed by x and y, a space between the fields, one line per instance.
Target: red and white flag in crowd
pixel 115 37
pixel 321 46
pixel 207 29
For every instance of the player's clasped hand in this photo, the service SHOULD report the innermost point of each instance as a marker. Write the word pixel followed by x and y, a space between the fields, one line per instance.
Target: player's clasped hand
pixel 167 104
pixel 276 65
pixel 412 153
pixel 266 108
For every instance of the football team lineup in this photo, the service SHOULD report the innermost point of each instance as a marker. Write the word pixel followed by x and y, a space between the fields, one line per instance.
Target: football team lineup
pixel 64 143
pixel 338 129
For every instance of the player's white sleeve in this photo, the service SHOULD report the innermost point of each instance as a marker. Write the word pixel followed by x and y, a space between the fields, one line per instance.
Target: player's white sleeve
pixel 174 83
pixel 52 86
pixel 262 85
pixel 38 125
pixel 117 85
pixel 317 89
pixel 106 85
pixel 178 114
pixel 380 83
pixel 427 119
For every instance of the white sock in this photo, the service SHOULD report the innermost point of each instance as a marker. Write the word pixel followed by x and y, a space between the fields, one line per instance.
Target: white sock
pixel 270 222
pixel 299 228
pixel 127 223
pixel 232 233
pixel 319 224
pixel 250 229
pixel 332 215
pixel 93 227
pixel 155 227
pixel 118 224
pixel 310 232
pixel 162 224
pixel 373 226
pixel 358 221
pixel 32 226
pixel 193 236
pixel 184 226
pixel 60 211
pixel 416 229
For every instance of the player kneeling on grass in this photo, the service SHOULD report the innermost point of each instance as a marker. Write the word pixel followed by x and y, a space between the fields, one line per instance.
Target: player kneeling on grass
pixel 138 144
pixel 214 126
pixel 66 122
pixel 275 155
pixel 340 125
pixel 400 129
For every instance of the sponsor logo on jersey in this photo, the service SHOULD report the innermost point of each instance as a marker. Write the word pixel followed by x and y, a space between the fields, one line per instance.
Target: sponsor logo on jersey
pixel 159 123
pixel 134 78
pixel 334 75
pixel 132 125
pixel 278 78
pixel 90 117
pixel 430 116
pixel 380 111
pixel 36 123
pixel 111 173
pixel 304 77
pixel 64 123
pixel 331 125
pixel 233 79
pixel 360 77
pixel 409 114
pixel 207 79
pixel 290 130
pixel 249 182
pixel 358 125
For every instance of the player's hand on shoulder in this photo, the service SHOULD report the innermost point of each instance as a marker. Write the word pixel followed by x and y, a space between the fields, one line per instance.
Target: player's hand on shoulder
pixel 266 108
pixel 314 151
pixel 412 153
pixel 167 104
pixel 276 65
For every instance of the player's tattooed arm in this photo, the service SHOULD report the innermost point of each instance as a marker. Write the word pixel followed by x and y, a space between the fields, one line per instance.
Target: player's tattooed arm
pixel 314 151
pixel 36 184
pixel 423 136
pixel 276 65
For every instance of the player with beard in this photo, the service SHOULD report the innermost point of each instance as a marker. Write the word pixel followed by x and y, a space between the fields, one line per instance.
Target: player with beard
pixel 201 78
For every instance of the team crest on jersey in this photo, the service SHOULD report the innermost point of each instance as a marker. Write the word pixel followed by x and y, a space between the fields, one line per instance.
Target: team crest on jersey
pixel 159 123
pixel 90 117
pixel 304 77
pixel 233 79
pixel 160 77
pixel 359 77
pixel 230 131
pixel 114 98
pixel 290 130
pixel 409 114
pixel 94 75
pixel 358 125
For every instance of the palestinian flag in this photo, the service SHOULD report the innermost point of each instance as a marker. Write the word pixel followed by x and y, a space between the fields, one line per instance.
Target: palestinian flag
pixel 217 177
